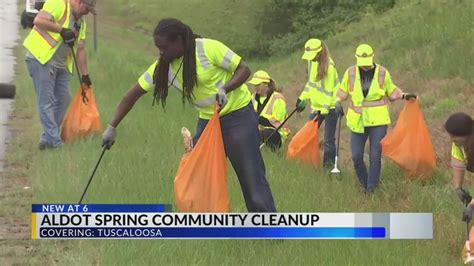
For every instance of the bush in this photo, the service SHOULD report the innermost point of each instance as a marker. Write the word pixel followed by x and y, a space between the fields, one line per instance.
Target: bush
pixel 287 24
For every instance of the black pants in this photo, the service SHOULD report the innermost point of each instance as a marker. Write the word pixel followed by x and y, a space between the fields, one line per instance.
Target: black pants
pixel 274 142
pixel 329 136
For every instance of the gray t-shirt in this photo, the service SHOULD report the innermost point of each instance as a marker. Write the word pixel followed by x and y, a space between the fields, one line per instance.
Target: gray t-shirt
pixel 59 58
pixel 366 78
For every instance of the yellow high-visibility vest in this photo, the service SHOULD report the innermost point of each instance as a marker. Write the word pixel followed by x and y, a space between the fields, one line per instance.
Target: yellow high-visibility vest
pixel 321 93
pixel 275 112
pixel 215 66
pixel 371 110
pixel 43 44
pixel 458 157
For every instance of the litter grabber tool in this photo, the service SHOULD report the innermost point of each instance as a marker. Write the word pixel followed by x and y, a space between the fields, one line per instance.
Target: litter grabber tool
pixel 93 173
pixel 85 100
pixel 336 170
pixel 278 128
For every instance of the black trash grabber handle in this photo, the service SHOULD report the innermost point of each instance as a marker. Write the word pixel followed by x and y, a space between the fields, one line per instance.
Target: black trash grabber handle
pixel 85 100
pixel 93 173
pixel 278 128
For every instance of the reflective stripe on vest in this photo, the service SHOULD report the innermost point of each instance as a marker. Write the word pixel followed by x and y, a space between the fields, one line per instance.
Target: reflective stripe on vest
pixel 45 35
pixel 148 79
pixel 341 94
pixel 367 104
pixel 202 54
pixel 227 59
pixel 381 77
pixel 272 102
pixel 320 89
pixel 205 102
pixel 172 78
pixel 269 113
pixel 211 99
pixel 353 73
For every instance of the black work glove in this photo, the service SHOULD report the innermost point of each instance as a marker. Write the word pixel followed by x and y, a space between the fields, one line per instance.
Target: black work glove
pixel 463 195
pixel 86 80
pixel 339 109
pixel 467 215
pixel 264 122
pixel 300 105
pixel 408 96
pixel 68 36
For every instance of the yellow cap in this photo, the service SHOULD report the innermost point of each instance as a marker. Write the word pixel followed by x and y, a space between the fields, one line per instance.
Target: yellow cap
pixel 311 48
pixel 364 55
pixel 259 77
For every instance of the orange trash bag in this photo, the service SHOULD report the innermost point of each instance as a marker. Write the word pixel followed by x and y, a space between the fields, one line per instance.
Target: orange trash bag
pixel 200 184
pixel 304 146
pixel 409 144
pixel 81 119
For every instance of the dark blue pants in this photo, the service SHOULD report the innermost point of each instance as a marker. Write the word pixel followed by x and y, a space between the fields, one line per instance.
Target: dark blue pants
pixel 329 136
pixel 241 143
pixel 375 134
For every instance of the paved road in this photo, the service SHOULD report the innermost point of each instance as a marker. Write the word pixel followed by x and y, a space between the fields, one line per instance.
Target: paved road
pixel 9 26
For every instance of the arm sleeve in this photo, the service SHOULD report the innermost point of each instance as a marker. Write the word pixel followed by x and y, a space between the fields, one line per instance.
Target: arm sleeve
pixel 393 92
pixel 53 8
pixel 458 160
pixel 146 79
pixel 343 90
pixel 305 93
pixel 222 56
pixel 82 32
pixel 279 110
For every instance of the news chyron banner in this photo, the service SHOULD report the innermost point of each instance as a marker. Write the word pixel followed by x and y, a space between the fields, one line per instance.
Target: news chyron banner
pixel 149 221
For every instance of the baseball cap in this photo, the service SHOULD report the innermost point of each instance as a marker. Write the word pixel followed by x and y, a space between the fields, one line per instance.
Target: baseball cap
pixel 364 55
pixel 311 48
pixel 259 77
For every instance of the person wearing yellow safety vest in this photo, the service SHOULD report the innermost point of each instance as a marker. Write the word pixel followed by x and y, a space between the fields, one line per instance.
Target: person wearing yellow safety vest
pixel 270 106
pixel 460 127
pixel 370 88
pixel 58 26
pixel 203 71
pixel 321 89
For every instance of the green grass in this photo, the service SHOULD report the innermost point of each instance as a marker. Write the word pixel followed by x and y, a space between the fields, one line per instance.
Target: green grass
pixel 230 21
pixel 409 40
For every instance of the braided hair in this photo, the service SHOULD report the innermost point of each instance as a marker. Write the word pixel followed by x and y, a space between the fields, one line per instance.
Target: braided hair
pixel 171 28
pixel 462 125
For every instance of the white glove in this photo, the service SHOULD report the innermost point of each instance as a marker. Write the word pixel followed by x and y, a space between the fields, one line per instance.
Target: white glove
pixel 221 97
pixel 108 138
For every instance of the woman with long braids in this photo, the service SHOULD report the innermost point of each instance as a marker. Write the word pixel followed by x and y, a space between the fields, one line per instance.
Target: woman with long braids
pixel 206 71
pixel 460 127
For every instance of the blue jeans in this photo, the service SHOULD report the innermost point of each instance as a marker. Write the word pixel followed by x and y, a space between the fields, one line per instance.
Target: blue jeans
pixel 329 136
pixel 241 144
pixel 375 134
pixel 52 96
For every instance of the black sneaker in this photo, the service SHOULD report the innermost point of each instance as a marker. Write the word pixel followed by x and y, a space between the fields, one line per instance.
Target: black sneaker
pixel 44 146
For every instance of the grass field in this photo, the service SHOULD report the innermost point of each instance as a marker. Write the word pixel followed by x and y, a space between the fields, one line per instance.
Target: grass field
pixel 427 46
